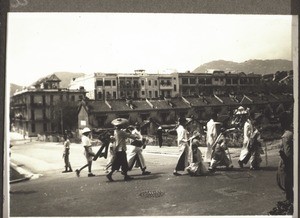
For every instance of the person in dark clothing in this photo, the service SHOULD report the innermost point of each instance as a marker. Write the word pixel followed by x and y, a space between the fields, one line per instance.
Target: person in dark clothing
pixel 105 139
pixel 285 174
pixel 120 158
pixel 159 133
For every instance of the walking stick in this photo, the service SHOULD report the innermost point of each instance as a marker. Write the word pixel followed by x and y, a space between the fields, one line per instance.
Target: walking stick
pixel 228 153
pixel 266 153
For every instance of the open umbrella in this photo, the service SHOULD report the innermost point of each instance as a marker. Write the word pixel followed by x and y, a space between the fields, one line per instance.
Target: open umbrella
pixel 119 121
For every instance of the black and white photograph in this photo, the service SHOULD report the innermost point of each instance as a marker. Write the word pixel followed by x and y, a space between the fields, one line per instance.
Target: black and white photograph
pixel 151 114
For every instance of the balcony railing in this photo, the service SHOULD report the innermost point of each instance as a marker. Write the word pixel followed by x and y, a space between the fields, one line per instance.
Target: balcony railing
pixel 130 86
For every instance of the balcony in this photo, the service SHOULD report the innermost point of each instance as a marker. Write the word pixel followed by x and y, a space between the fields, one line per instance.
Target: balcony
pixel 130 86
pixel 165 87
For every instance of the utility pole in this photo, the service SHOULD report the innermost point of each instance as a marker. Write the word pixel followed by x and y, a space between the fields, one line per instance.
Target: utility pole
pixel 61 121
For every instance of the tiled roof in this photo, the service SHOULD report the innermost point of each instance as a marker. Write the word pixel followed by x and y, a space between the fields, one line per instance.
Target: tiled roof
pixel 197 102
pixel 179 103
pixel 119 105
pixel 279 97
pixel 97 106
pixel 141 105
pixel 160 104
pixel 254 99
pixel 229 101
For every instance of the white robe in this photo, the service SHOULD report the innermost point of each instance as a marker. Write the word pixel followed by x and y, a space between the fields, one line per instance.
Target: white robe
pixel 211 135
pixel 182 137
pixel 248 130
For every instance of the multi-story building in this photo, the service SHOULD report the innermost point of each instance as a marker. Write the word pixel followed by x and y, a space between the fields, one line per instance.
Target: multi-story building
pixel 141 85
pixel 35 110
pixel 217 82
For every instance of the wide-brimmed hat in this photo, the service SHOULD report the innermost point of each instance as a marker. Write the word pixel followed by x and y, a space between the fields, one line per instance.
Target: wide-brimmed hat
pixel 86 129
pixel 119 121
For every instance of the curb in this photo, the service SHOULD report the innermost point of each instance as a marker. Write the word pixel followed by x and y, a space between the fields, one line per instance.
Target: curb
pixel 24 173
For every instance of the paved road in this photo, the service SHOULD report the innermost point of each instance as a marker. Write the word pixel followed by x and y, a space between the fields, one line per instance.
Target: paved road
pixel 52 193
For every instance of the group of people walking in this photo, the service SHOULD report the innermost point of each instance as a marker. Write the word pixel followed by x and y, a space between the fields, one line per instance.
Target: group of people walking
pixel 190 158
pixel 113 147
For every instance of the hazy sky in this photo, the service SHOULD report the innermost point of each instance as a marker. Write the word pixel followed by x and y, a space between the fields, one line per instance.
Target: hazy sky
pixel 39 44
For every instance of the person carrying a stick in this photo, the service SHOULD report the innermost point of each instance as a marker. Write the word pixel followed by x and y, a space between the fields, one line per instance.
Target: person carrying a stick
pixel 219 156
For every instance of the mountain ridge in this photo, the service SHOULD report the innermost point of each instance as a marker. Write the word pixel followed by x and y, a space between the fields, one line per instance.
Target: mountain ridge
pixel 257 66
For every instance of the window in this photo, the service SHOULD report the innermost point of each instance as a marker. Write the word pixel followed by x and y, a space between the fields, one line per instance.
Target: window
pixel 145 116
pixel 31 99
pixel 101 120
pixel 51 99
pixel 45 127
pixel 32 115
pixel 126 116
pixel 44 100
pixel 114 95
pixel 72 98
pixel 156 94
pixel 114 82
pixel 143 92
pixel 44 114
pixel 149 82
pixel 164 116
pixel 201 80
pixel 155 82
pixel 175 88
pixel 192 80
pixel 99 82
pixel 107 83
pixel 185 81
pixel 235 81
pixel 228 81
pixel 33 127
pixel 150 94
pixel 143 82
pixel 208 81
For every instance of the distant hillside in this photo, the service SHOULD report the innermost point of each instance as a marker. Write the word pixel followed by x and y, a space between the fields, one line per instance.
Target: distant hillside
pixel 255 66
pixel 14 88
pixel 66 77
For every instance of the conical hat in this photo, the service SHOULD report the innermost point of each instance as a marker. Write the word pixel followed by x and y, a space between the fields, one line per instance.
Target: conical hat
pixel 119 121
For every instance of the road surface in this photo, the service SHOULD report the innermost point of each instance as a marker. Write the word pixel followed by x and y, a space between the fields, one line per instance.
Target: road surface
pixel 52 193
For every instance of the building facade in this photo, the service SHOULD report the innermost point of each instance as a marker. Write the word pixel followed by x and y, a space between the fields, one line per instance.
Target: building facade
pixel 39 109
pixel 141 85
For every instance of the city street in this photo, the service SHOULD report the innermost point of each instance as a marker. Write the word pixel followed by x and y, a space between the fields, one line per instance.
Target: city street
pixel 49 192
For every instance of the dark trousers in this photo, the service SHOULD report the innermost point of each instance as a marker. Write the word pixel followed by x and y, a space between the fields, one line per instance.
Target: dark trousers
pixel 120 160
pixel 160 141
pixel 180 164
pixel 289 183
